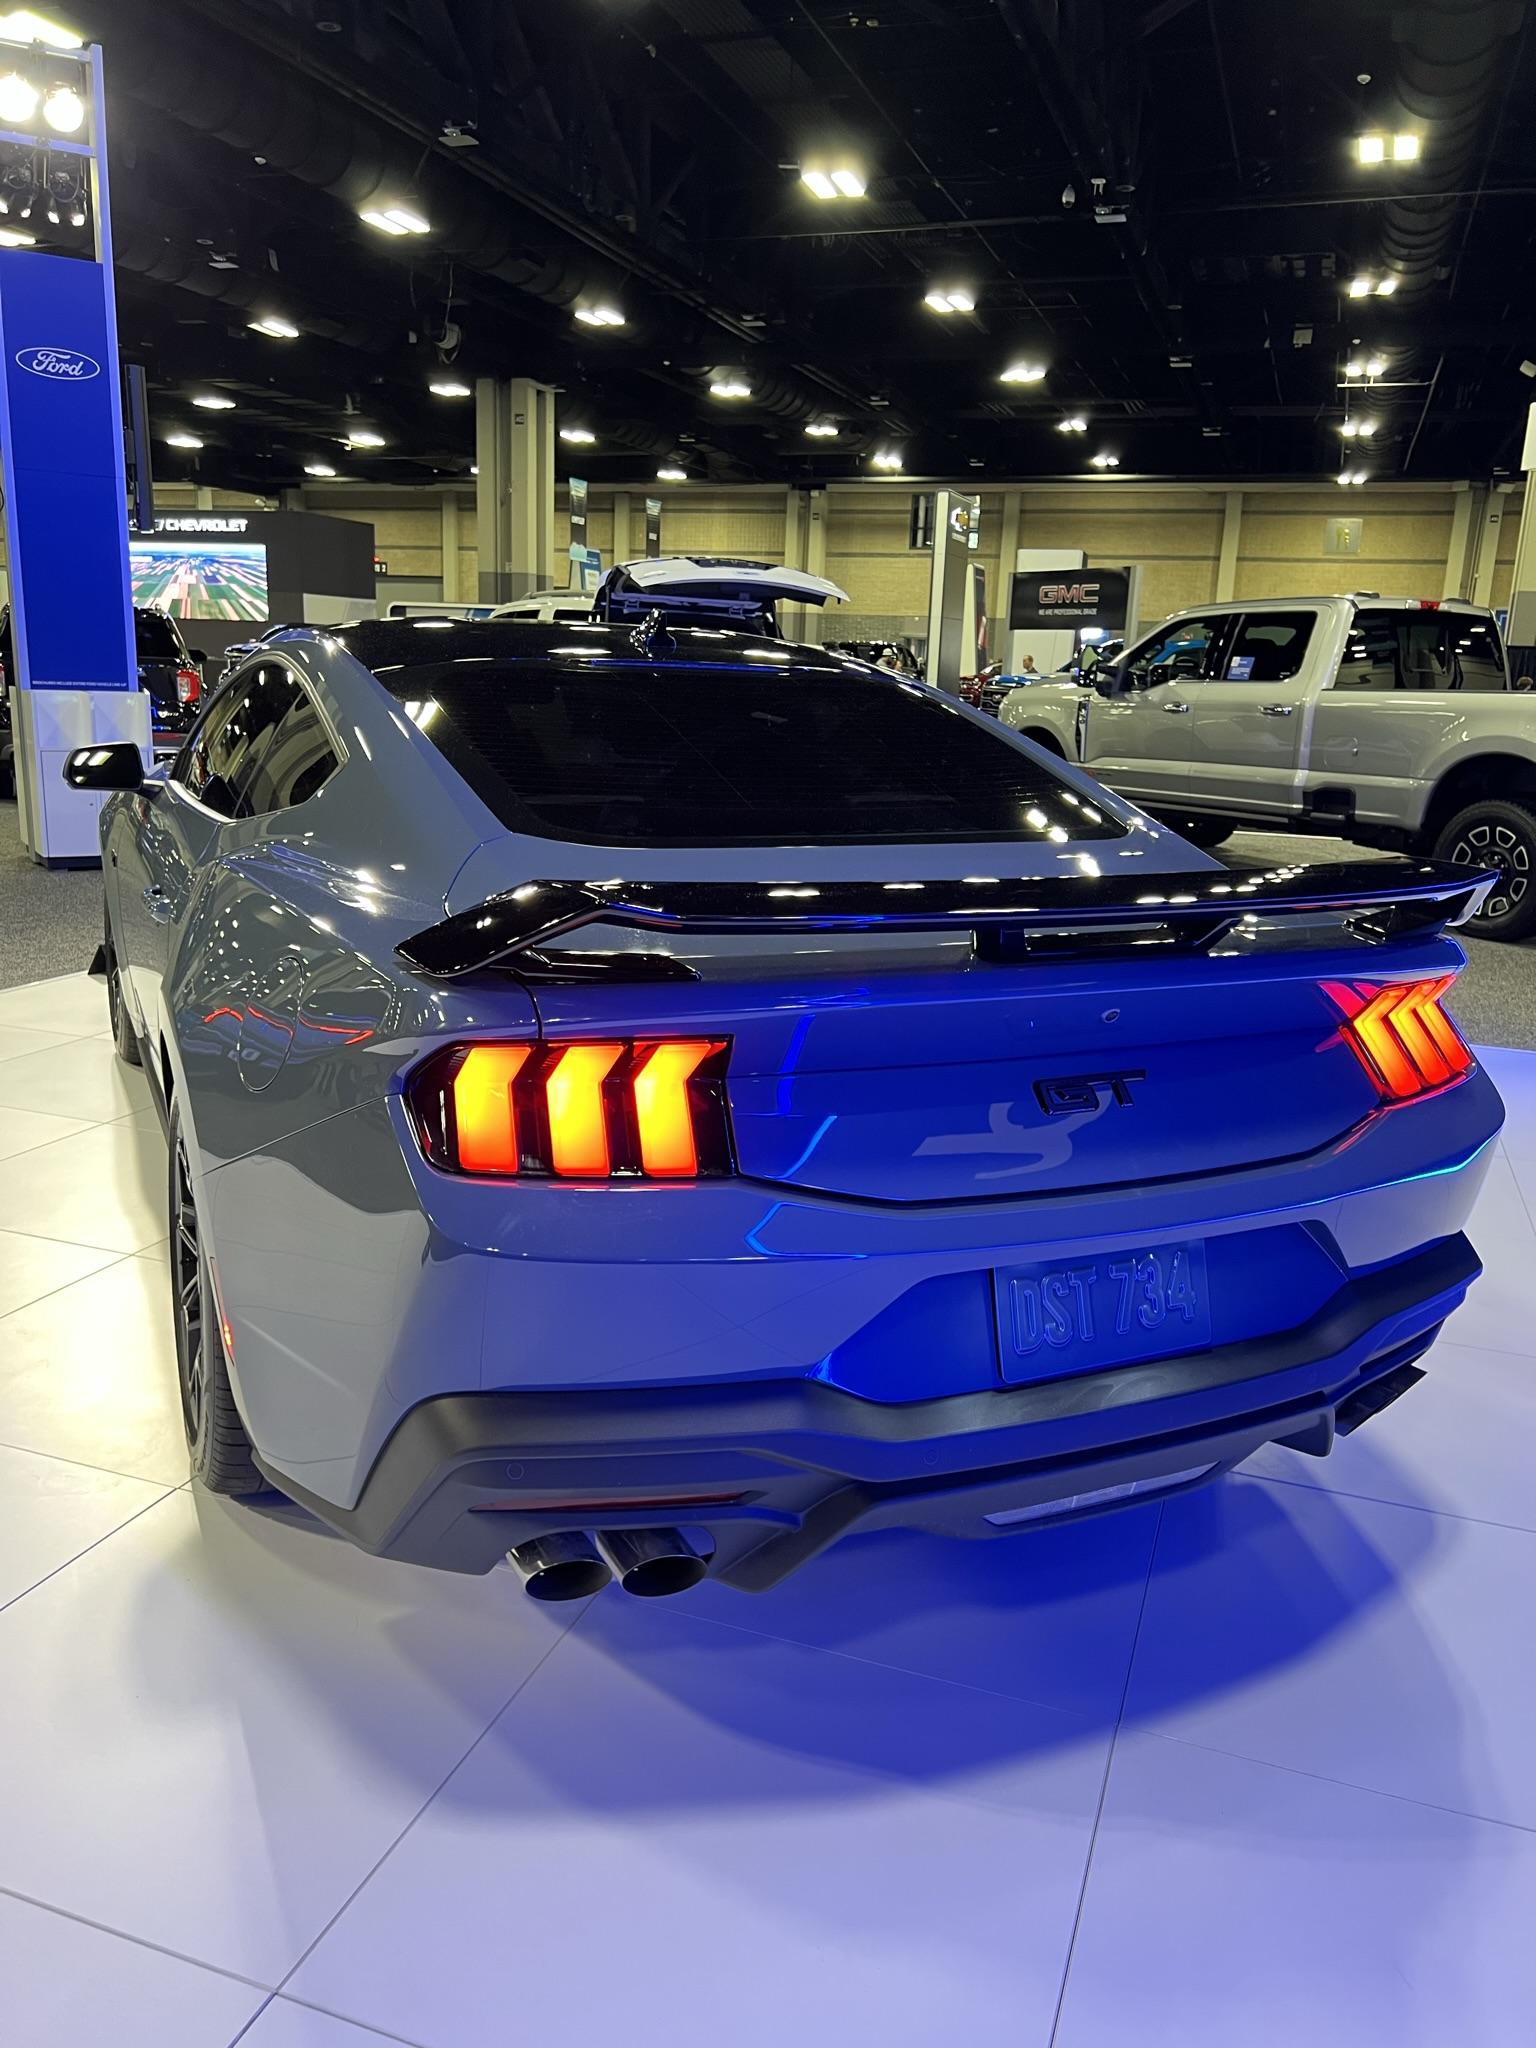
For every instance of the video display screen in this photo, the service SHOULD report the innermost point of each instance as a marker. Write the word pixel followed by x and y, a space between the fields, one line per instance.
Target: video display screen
pixel 200 579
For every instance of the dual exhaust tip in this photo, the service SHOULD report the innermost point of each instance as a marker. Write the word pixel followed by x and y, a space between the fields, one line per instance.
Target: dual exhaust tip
pixel 571 1565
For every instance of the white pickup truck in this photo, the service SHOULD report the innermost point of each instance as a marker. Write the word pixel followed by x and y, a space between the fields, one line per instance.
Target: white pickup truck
pixel 1387 720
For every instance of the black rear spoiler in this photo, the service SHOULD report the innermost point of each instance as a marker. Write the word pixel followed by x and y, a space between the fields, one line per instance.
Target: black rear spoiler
pixel 1379 899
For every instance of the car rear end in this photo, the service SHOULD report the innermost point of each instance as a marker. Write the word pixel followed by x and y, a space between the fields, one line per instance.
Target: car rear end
pixel 168 673
pixel 871 1176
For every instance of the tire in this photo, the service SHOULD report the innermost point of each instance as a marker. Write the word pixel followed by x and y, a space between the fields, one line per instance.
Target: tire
pixel 1048 742
pixel 1202 832
pixel 124 1037
pixel 1497 832
pixel 217 1445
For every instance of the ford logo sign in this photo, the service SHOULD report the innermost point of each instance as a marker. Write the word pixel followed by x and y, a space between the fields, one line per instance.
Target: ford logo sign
pixel 67 364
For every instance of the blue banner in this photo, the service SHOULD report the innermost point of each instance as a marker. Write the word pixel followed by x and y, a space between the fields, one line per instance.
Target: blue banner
pixel 62 438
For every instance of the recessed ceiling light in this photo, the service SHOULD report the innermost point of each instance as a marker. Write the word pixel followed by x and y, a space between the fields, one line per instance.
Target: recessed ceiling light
pixel 180 440
pixel 837 181
pixel 364 437
pixel 599 316
pixel 821 430
pixel 887 458
pixel 213 401
pixel 318 469
pixel 1074 423
pixel 728 385
pixel 1023 373
pixel 1402 148
pixel 450 387
pixel 1352 476
pixel 1104 460
pixel 395 220
pixel 1357 429
pixel 948 299
pixel 581 437
pixel 669 473
pixel 275 325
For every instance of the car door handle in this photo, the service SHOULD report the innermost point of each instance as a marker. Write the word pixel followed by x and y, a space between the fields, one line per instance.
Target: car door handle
pixel 1176 708
pixel 158 904
pixel 1276 710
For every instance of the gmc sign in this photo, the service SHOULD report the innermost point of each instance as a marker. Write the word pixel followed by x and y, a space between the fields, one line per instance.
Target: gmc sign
pixel 1092 598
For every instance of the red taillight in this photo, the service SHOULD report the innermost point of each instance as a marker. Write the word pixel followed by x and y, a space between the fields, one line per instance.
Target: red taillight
pixel 189 685
pixel 1401 1036
pixel 650 1109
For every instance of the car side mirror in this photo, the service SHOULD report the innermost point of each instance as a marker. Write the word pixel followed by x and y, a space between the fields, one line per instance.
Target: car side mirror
pixel 1112 679
pixel 117 766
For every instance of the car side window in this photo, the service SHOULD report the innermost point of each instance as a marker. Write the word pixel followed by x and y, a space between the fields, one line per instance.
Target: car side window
pixel 1184 649
pixel 296 760
pixel 1477 655
pixel 1369 660
pixel 227 748
pixel 1268 647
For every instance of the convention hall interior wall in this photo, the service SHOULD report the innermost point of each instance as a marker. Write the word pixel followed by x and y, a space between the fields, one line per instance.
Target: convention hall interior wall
pixel 1174 532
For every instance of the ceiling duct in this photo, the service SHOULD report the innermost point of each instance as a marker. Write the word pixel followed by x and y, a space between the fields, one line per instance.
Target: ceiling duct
pixel 1452 60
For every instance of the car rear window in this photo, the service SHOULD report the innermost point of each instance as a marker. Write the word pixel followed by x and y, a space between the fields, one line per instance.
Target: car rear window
pixel 1421 650
pixel 156 637
pixel 658 756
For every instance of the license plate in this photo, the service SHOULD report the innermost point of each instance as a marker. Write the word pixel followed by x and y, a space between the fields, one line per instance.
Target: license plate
pixel 1110 1310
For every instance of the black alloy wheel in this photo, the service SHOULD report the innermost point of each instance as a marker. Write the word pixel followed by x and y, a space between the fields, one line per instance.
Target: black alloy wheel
pixel 219 1448
pixel 1497 833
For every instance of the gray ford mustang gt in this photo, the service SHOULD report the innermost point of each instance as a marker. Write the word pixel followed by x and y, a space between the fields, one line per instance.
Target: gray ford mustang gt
pixel 650 1100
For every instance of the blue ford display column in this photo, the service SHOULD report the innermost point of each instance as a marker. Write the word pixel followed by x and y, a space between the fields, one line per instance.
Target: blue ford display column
pixel 75 673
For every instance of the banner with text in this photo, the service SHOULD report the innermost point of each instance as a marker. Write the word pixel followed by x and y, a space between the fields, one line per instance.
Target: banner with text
pixel 1069 597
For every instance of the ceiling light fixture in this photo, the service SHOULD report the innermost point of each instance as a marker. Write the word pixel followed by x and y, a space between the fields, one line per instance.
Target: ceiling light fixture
pixel 1375 365
pixel 1104 460
pixel 180 440
pixel 950 299
pixel 64 110
pixel 841 181
pixel 449 387
pixel 1074 423
pixel 887 458
pixel 21 25
pixel 1357 429
pixel 1401 148
pixel 669 473
pixel 1352 476
pixel 364 437
pixel 599 316
pixel 213 401
pixel 1023 373
pixel 1366 286
pixel 395 220
pixel 275 325
pixel 728 385
pixel 580 437
pixel 318 469
pixel 821 430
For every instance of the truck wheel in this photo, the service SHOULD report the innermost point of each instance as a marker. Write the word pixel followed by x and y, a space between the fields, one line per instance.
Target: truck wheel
pixel 219 1449
pixel 1201 832
pixel 1497 833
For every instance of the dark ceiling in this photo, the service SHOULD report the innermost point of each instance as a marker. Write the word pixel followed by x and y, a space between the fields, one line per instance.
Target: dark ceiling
pixel 645 152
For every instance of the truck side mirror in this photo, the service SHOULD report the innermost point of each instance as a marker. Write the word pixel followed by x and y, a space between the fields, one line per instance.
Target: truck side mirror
pixel 118 766
pixel 1112 679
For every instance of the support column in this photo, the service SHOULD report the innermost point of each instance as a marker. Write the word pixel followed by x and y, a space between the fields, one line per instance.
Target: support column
pixel 792 617
pixel 1487 551
pixel 1007 557
pixel 1231 541
pixel 515 490
pixel 820 625
pixel 622 539
pixel 1466 504
pixel 448 540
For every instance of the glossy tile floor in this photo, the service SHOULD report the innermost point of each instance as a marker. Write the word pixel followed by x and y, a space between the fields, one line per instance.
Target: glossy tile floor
pixel 1254 1768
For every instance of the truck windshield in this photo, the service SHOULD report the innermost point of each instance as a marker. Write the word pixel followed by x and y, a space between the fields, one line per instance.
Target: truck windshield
pixel 673 755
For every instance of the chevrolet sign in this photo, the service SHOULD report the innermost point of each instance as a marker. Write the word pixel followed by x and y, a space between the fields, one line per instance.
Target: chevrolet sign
pixel 1092 597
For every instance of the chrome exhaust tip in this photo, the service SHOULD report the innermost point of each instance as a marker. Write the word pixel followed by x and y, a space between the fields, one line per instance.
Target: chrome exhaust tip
pixel 651 1563
pixel 565 1566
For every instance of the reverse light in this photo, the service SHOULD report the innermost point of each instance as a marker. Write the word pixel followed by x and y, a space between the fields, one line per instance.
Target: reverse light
pixel 593 1110
pixel 1401 1036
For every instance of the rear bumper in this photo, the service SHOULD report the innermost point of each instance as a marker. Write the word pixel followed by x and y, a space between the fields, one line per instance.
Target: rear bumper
pixel 464 1477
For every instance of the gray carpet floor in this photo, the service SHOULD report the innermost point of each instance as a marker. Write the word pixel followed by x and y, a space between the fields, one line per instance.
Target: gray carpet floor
pixel 50 922
pixel 50 918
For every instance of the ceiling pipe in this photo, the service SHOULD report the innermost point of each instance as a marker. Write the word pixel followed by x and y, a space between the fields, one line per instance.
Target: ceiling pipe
pixel 1452 60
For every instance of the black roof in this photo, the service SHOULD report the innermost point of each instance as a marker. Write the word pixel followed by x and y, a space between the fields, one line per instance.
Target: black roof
pixel 386 645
